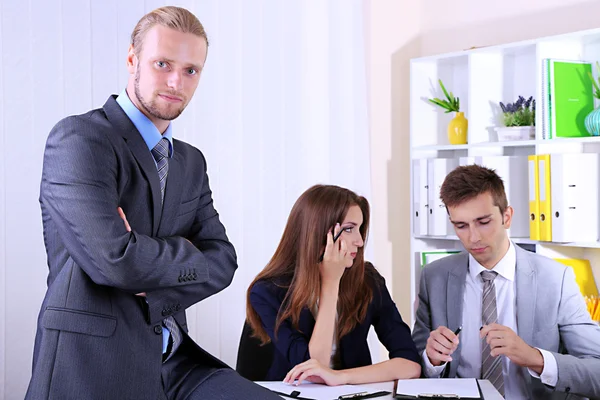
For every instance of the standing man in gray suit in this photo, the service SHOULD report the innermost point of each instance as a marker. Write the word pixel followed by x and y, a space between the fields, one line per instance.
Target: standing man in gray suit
pixel 525 325
pixel 132 237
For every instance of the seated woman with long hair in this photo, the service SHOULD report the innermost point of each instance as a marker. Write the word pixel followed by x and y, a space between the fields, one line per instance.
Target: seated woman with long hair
pixel 317 298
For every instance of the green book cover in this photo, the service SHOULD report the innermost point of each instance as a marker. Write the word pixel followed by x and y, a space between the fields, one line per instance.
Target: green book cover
pixel 572 97
pixel 428 257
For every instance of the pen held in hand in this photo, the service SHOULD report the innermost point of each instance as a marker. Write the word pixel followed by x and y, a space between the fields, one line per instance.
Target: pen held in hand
pixel 447 367
pixel 337 235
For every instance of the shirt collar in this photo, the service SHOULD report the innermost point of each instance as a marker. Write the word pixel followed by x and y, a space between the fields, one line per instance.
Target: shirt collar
pixel 506 266
pixel 147 129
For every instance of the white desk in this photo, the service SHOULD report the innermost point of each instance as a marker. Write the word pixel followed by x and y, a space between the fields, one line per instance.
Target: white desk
pixel 488 390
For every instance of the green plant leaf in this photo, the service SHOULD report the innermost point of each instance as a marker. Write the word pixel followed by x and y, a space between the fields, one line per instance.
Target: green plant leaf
pixel 596 87
pixel 449 104
pixel 444 89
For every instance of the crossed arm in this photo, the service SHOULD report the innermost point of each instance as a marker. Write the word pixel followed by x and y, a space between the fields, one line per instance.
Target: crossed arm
pixel 80 192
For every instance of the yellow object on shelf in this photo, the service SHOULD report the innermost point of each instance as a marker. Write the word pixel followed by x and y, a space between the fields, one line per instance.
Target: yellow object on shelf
pixel 593 307
pixel 534 198
pixel 457 129
pixel 545 197
pixel 583 275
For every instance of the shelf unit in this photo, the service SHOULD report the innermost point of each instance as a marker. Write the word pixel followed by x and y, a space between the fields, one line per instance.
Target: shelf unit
pixel 481 78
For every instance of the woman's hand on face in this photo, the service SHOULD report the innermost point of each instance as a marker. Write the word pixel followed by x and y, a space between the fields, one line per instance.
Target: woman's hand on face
pixel 334 260
pixel 314 371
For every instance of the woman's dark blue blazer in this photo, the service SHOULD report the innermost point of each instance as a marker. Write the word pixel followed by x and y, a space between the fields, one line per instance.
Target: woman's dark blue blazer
pixel 291 345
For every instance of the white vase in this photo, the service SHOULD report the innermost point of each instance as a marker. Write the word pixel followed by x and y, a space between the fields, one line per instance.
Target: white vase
pixel 507 133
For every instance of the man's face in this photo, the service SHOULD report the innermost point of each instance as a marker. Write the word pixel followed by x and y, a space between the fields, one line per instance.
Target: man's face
pixel 166 72
pixel 481 228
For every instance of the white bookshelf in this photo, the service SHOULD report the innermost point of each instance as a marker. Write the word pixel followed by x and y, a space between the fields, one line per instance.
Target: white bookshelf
pixel 481 78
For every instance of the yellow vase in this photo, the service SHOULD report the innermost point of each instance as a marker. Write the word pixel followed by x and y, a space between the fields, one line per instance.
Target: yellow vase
pixel 457 129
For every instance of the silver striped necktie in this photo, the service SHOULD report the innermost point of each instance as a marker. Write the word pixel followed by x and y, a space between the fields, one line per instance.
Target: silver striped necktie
pixel 491 367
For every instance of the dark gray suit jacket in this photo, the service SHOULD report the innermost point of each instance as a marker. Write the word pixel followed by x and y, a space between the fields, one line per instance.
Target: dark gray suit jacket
pixel 95 338
pixel 551 315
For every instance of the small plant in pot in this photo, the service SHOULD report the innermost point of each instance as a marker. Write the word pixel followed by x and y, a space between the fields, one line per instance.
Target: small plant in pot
pixel 458 126
pixel 519 120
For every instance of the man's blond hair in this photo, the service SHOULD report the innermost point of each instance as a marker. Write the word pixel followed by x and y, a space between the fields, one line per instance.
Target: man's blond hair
pixel 172 17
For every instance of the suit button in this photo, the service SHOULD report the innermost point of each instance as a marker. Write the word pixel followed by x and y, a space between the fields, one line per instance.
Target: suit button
pixel 567 389
pixel 195 276
pixel 177 307
pixel 180 279
pixel 165 313
pixel 158 329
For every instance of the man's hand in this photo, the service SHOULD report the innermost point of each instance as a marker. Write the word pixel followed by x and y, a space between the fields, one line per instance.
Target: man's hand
pixel 314 371
pixel 441 344
pixel 504 341
pixel 128 228
pixel 124 218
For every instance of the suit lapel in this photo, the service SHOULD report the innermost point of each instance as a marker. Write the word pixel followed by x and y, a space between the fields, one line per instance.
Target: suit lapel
pixel 172 194
pixel 454 302
pixel 454 292
pixel 526 296
pixel 143 156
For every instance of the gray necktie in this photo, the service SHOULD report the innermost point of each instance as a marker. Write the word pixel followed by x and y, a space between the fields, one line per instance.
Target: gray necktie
pixel 491 367
pixel 161 155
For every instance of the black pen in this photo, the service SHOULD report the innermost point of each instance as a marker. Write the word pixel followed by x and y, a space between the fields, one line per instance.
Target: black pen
pixel 364 395
pixel 337 235
pixel 447 367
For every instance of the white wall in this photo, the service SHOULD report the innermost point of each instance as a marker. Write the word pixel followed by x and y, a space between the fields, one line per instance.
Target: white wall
pixel 462 24
pixel 394 38
pixel 281 106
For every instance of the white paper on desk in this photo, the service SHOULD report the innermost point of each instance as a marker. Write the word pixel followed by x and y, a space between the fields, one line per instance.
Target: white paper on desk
pixel 463 387
pixel 314 390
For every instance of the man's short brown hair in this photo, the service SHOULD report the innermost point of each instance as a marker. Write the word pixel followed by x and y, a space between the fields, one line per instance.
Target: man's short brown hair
pixel 467 182
pixel 177 18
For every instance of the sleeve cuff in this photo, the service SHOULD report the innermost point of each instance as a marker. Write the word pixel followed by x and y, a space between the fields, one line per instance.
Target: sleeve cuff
pixel 430 370
pixel 549 374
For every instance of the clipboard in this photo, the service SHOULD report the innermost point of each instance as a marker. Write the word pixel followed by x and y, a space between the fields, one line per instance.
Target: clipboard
pixel 439 389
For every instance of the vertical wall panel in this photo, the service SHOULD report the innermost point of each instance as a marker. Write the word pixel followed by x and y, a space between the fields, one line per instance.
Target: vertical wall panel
pixel 233 139
pixel 296 169
pixel 107 61
pixel 22 213
pixel 77 64
pixel 272 133
pixel 3 195
pixel 128 14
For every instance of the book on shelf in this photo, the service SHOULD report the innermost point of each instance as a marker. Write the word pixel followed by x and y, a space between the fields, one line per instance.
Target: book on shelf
pixel 567 98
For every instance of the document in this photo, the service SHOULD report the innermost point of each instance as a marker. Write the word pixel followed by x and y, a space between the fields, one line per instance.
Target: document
pixel 461 387
pixel 316 391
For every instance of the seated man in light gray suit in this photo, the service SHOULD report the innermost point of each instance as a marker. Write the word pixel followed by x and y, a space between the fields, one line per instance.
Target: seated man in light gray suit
pixel 525 325
pixel 133 238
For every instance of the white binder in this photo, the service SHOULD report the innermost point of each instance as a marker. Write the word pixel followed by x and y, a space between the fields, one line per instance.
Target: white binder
pixel 513 171
pixel 438 222
pixel 574 188
pixel 420 200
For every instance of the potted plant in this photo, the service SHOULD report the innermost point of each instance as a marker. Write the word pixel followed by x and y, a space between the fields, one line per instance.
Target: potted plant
pixel 592 121
pixel 519 120
pixel 459 125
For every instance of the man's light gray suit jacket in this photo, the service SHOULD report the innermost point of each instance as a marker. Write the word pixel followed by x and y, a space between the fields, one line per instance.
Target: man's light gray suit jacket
pixel 551 315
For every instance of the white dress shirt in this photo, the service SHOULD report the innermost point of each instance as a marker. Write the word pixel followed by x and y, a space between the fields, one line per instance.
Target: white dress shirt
pixel 515 381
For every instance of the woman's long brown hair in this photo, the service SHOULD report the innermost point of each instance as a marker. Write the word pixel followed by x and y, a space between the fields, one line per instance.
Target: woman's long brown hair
pixel 295 264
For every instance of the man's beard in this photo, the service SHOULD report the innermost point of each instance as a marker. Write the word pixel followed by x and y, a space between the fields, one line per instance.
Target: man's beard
pixel 151 107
